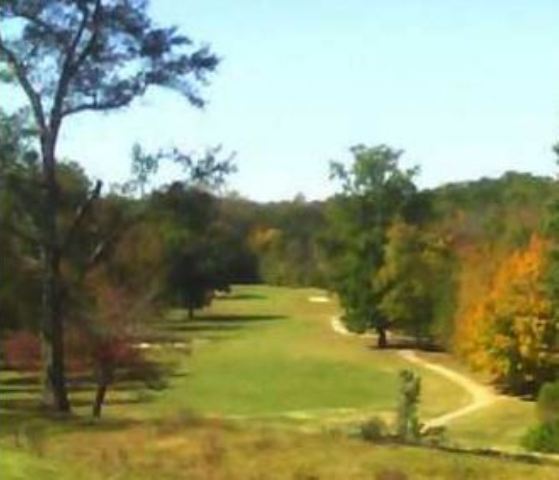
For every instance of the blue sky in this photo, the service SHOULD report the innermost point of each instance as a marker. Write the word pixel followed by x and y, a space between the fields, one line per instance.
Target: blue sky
pixel 467 88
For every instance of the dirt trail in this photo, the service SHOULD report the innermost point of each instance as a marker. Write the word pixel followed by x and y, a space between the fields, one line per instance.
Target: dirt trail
pixel 482 396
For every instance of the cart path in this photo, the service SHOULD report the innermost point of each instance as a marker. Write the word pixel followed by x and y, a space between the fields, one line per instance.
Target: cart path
pixel 482 396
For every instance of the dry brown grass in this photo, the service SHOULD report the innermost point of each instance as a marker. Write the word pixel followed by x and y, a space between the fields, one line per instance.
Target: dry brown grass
pixel 210 450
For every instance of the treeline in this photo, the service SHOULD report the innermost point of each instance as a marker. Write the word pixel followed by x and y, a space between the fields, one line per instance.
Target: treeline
pixel 127 255
pixel 123 260
pixel 504 319
pixel 469 267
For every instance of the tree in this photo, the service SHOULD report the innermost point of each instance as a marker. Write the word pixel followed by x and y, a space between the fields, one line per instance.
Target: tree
pixel 70 57
pixel 19 202
pixel 286 241
pixel 144 166
pixel 374 190
pixel 415 279
pixel 196 246
pixel 194 275
pixel 512 333
pixel 109 343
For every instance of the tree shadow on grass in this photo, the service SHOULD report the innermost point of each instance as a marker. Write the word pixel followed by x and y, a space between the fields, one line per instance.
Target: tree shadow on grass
pixel 32 404
pixel 28 425
pixel 239 319
pixel 21 380
pixel 218 323
pixel 401 341
pixel 408 345
pixel 18 389
pixel 20 399
pixel 244 296
pixel 20 393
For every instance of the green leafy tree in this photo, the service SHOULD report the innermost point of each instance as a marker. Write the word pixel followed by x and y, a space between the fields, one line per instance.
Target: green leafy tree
pixel 18 212
pixel 74 57
pixel 374 190
pixel 415 280
pixel 286 239
pixel 196 246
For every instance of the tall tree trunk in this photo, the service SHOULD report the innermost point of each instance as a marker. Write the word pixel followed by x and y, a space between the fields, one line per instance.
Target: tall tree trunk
pixel 105 376
pixel 102 385
pixel 382 341
pixel 99 399
pixel 52 327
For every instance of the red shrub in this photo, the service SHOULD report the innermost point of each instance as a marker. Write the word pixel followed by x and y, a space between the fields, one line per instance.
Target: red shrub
pixel 116 351
pixel 22 351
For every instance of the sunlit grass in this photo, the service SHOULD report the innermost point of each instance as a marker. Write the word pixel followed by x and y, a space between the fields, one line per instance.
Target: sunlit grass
pixel 270 352
pixel 261 367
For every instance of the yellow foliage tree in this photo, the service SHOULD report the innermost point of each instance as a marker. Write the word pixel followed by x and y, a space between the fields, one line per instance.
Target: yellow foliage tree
pixel 510 333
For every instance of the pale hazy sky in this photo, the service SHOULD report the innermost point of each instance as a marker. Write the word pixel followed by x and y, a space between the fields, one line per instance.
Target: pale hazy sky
pixel 467 88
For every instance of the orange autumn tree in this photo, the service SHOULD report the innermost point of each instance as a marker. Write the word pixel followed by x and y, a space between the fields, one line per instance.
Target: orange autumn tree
pixel 510 333
pixel 478 264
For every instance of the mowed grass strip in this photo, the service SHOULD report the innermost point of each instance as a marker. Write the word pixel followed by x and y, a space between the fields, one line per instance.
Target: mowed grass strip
pixel 262 353
pixel 269 351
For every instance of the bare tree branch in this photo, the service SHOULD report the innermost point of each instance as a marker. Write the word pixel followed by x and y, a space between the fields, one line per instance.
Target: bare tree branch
pixel 23 79
pixel 71 65
pixel 97 106
pixel 94 35
pixel 103 247
pixel 81 213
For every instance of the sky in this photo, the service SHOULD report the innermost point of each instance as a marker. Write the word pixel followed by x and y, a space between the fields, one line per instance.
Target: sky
pixel 467 88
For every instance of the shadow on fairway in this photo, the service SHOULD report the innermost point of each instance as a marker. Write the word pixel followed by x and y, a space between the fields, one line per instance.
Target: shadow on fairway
pixel 218 323
pixel 244 296
pixel 408 344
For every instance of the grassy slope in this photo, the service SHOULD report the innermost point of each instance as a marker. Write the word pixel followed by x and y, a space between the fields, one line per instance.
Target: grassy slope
pixel 179 449
pixel 271 353
pixel 266 353
pixel 501 425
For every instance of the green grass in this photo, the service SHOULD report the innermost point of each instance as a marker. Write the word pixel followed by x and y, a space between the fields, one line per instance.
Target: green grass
pixel 501 425
pixel 269 352
pixel 196 450
pixel 262 359
pixel 15 464
pixel 21 464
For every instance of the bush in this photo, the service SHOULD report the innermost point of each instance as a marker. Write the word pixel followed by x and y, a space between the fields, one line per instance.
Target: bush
pixel 373 430
pixel 22 351
pixel 543 438
pixel 435 435
pixel 548 403
pixel 408 427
